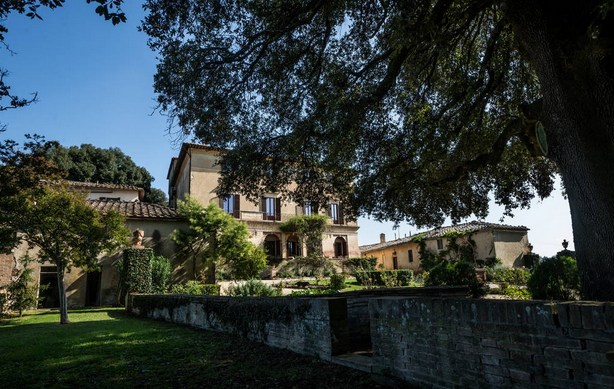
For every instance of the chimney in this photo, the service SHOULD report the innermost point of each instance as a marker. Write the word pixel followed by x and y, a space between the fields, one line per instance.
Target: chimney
pixel 382 238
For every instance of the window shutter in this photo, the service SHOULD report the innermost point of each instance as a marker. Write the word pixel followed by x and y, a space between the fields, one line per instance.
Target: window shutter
pixel 340 210
pixel 329 211
pixel 237 206
pixel 314 208
pixel 263 207
pixel 278 209
pixel 221 202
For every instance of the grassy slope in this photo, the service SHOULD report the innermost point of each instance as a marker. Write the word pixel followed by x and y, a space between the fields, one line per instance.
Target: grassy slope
pixel 105 348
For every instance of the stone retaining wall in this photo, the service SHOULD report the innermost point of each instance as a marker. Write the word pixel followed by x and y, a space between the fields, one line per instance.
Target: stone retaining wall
pixel 462 343
pixel 307 326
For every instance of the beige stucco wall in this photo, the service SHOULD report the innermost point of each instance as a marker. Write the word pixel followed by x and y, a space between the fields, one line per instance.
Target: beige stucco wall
pixel 511 246
pixel 123 194
pixel 156 236
pixel 401 251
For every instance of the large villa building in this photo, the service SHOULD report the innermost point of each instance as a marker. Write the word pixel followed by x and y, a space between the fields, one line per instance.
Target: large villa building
pixel 196 172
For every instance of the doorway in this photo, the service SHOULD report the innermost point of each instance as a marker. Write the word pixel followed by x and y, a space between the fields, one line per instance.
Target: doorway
pixel 92 291
pixel 49 292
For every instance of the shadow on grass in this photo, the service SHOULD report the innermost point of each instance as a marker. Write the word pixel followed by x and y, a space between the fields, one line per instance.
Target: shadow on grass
pixel 106 348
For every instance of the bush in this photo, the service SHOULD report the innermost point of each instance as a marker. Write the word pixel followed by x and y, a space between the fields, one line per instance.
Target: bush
pixel 555 278
pixel 22 293
pixel 311 266
pixel 310 292
pixel 137 270
pixel 490 262
pixel 196 288
pixel 455 273
pixel 3 301
pixel 513 276
pixel 337 281
pixel 361 263
pixel 388 278
pixel 253 288
pixel 161 274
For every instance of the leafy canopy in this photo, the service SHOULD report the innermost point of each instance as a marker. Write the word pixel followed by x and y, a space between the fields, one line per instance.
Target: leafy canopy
pixel 110 166
pixel 215 236
pixel 309 230
pixel 405 110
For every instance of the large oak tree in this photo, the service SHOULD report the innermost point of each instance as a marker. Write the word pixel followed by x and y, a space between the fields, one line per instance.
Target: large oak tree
pixel 407 110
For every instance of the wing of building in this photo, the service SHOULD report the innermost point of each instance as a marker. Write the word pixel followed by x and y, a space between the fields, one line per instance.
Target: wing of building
pixel 508 243
pixel 195 172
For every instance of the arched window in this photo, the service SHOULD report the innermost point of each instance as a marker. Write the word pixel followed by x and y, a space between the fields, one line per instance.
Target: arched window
pixel 272 245
pixel 293 247
pixel 341 247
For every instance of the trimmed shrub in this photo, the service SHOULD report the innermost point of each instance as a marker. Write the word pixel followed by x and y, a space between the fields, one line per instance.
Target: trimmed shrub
pixel 253 288
pixel 361 263
pixel 311 292
pixel 137 270
pixel 196 288
pixel 402 277
pixel 161 274
pixel 513 276
pixel 455 274
pixel 555 278
pixel 337 281
pixel 311 266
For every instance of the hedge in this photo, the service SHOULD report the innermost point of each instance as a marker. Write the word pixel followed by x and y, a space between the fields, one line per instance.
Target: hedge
pixel 137 270
pixel 361 263
pixel 374 277
pixel 196 288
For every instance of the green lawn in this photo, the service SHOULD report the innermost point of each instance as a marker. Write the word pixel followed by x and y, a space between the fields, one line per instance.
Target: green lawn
pixel 105 348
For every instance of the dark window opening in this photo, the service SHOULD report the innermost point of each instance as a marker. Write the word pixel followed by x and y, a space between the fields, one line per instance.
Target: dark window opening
pixel 439 244
pixel 231 204
pixel 336 213
pixel 395 263
pixel 272 246
pixel 410 255
pixel 341 248
pixel 92 291
pixel 293 247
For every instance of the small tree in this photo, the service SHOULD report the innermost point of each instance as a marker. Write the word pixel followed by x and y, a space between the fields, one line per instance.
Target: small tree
pixel 309 229
pixel 23 293
pixel 215 237
pixel 67 232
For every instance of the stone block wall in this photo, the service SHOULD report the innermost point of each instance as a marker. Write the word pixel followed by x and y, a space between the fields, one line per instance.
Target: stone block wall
pixel 308 326
pixel 7 264
pixel 463 343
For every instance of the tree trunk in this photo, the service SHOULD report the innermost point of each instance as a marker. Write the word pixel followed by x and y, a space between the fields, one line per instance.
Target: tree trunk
pixel 63 299
pixel 575 66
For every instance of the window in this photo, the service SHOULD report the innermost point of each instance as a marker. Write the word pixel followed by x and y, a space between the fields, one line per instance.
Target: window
pixel 272 246
pixel 395 263
pixel 410 255
pixel 231 204
pixel 439 244
pixel 293 247
pixel 271 208
pixel 310 208
pixel 336 213
pixel 341 247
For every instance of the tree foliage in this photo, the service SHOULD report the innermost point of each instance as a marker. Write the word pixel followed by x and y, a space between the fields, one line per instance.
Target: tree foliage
pixel 309 229
pixel 216 238
pixel 23 292
pixel 406 110
pixel 88 163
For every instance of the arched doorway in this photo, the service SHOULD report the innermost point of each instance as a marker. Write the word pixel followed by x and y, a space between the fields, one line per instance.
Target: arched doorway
pixel 341 247
pixel 272 246
pixel 293 247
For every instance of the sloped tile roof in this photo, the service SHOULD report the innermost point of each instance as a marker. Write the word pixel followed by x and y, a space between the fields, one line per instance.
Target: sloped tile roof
pixel 80 184
pixel 441 231
pixel 135 209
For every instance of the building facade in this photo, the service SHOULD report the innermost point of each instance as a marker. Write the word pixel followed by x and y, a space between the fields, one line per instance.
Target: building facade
pixel 508 243
pixel 195 172
pixel 101 287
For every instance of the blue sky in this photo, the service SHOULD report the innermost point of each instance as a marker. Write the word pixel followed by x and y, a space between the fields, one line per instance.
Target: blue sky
pixel 94 84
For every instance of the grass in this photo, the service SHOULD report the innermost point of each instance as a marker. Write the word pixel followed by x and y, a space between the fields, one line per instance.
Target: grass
pixel 106 348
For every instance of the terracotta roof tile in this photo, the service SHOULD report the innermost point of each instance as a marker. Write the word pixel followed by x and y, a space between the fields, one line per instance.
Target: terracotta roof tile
pixel 80 184
pixel 135 209
pixel 441 231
